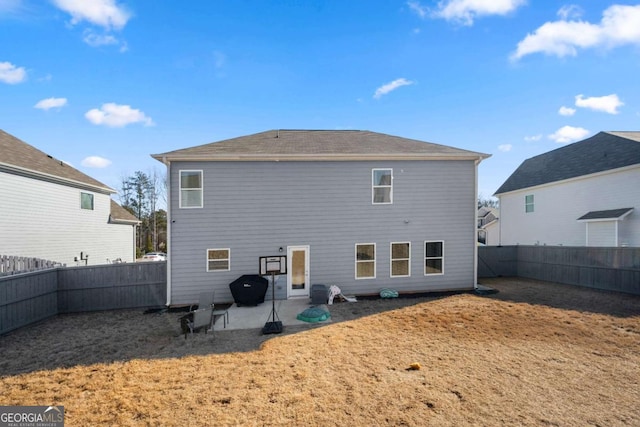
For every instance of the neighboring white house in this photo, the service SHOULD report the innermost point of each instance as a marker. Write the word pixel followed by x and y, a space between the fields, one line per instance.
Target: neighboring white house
pixel 488 229
pixel 50 210
pixel 358 209
pixel 583 194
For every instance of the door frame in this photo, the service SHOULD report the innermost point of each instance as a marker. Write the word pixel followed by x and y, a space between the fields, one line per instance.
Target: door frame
pixel 290 291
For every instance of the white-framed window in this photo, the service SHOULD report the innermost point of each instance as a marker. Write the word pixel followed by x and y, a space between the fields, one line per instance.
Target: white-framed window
pixel 191 189
pixel 218 259
pixel 365 260
pixel 382 186
pixel 401 259
pixel 86 201
pixel 433 257
pixel 528 203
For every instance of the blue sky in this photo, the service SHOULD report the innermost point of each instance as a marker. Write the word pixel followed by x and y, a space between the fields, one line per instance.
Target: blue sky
pixel 102 84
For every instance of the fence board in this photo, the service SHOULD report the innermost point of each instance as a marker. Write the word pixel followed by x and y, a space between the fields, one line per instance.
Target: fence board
pixel 16 264
pixel 112 286
pixel 497 261
pixel 30 297
pixel 27 298
pixel 614 269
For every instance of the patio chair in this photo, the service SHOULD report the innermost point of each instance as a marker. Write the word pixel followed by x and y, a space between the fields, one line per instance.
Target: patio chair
pixel 199 318
pixel 203 315
pixel 206 300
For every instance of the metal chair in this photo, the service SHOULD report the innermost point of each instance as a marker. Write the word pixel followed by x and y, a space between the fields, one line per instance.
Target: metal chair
pixel 199 318
pixel 203 315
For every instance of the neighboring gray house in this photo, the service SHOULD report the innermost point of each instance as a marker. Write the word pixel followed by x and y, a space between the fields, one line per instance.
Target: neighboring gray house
pixel 50 210
pixel 583 194
pixel 357 209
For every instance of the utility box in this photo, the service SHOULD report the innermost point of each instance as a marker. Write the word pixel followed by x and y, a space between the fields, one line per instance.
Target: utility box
pixel 319 294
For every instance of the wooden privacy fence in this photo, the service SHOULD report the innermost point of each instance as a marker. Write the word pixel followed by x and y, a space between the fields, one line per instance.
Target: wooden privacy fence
pixel 18 264
pixel 31 297
pixel 613 269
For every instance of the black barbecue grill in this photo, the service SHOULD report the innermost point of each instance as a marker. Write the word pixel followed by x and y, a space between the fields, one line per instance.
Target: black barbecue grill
pixel 249 290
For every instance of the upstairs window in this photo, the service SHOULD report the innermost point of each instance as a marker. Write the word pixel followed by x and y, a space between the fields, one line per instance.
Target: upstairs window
pixel 365 261
pixel 86 201
pixel 382 186
pixel 433 258
pixel 190 189
pixel 400 259
pixel 528 203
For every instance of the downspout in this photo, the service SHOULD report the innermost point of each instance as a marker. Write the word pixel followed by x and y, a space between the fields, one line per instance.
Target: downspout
pixel 475 229
pixel 135 258
pixel 499 221
pixel 169 246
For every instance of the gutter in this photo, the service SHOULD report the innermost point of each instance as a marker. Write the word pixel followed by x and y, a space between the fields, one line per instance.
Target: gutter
pixel 475 228
pixel 169 222
pixel 316 157
pixel 16 170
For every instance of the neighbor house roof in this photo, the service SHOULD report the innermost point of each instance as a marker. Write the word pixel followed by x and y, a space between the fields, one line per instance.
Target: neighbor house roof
pixel 20 158
pixel 318 145
pixel 120 215
pixel 602 152
pixel 610 214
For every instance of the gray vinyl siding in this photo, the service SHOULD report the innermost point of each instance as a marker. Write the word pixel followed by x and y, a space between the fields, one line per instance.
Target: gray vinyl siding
pixel 44 220
pixel 254 208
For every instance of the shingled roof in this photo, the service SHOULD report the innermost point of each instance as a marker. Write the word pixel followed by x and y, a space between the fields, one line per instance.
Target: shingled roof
pixel 318 145
pixel 18 157
pixel 120 215
pixel 602 152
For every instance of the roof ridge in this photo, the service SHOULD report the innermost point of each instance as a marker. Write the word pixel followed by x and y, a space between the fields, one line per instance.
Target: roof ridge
pixel 308 145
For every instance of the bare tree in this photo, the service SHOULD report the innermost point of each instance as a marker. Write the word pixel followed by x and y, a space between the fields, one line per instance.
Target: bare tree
pixel 139 194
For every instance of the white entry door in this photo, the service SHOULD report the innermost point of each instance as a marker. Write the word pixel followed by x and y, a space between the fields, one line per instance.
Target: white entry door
pixel 298 271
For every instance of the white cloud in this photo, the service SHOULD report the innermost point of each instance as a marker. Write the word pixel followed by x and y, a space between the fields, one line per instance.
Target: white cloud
pixel 418 9
pixel 566 111
pixel 9 6
pixel 620 25
pixel 95 162
pixel 568 134
pixel 607 104
pixel 48 103
pixel 95 40
pixel 505 147
pixel 465 11
pixel 533 138
pixel 11 74
pixel 114 115
pixel 104 13
pixel 386 88
pixel 568 11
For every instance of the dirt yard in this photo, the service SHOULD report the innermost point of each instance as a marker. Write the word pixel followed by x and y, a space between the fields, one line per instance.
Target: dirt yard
pixel 535 354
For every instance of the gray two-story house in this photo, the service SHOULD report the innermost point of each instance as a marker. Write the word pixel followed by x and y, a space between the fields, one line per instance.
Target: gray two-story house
pixel 357 209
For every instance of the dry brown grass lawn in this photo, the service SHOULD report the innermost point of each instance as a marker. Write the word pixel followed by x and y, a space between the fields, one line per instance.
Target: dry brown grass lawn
pixel 534 354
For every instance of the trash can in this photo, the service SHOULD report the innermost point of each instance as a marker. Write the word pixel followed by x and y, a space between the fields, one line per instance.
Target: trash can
pixel 319 294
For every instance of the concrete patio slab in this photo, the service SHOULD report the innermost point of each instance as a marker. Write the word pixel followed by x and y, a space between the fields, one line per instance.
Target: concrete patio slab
pixel 256 317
